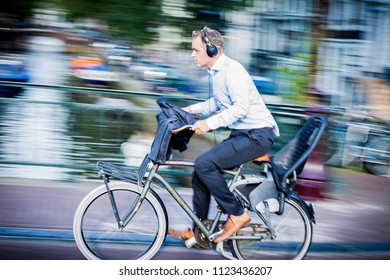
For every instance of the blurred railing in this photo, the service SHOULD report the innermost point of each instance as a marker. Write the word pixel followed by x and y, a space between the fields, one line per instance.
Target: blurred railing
pixel 67 137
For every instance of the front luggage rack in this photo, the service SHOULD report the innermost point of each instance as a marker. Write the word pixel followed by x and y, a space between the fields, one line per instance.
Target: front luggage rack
pixel 125 173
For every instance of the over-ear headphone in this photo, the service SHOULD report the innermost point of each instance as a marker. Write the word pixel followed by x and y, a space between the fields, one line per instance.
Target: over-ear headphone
pixel 211 50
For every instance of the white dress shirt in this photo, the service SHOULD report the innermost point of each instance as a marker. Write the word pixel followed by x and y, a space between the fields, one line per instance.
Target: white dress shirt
pixel 235 98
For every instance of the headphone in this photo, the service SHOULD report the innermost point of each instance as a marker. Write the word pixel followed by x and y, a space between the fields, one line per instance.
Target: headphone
pixel 211 50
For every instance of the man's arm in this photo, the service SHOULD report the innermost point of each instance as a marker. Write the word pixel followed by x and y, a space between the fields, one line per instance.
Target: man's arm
pixel 206 107
pixel 187 109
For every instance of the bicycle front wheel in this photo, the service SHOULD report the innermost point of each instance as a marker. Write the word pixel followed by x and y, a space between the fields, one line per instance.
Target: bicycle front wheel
pixel 293 230
pixel 96 229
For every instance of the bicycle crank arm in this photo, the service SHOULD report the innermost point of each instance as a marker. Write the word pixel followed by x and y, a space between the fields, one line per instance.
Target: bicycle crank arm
pixel 214 235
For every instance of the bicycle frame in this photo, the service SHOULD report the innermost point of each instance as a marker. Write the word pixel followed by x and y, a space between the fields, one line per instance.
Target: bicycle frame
pixel 153 175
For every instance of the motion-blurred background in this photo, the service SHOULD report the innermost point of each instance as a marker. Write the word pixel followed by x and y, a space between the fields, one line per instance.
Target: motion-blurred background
pixel 79 79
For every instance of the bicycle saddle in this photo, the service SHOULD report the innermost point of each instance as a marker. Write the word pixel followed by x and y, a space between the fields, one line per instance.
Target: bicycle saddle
pixel 261 159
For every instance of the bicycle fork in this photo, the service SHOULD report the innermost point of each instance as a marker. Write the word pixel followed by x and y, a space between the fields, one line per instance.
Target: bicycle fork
pixel 106 180
pixel 122 223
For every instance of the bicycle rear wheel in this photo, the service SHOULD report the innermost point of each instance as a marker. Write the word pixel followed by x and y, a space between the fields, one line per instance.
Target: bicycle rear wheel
pixel 293 236
pixel 96 229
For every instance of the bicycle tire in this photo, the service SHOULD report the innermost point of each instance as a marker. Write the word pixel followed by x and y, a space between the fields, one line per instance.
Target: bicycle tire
pixel 96 231
pixel 294 231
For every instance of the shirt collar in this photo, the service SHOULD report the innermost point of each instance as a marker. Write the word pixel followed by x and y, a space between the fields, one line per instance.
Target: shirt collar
pixel 217 65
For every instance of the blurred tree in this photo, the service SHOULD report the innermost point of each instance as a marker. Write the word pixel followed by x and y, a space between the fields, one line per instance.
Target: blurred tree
pixel 17 9
pixel 132 20
pixel 82 9
pixel 208 12
pixel 138 20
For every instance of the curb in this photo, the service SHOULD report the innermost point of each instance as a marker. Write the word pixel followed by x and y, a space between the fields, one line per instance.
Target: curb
pixel 67 235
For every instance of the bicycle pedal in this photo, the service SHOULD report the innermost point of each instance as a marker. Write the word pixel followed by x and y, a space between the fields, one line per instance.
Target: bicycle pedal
pixel 212 237
pixel 190 242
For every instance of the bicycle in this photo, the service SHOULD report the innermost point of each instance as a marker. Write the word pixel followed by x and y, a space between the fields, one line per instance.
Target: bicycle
pixel 360 140
pixel 127 219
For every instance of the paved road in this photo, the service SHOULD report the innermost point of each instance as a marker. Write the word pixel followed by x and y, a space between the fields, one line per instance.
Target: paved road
pixel 36 220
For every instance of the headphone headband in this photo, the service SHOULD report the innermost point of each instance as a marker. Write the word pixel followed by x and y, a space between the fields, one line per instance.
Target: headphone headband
pixel 210 48
pixel 207 40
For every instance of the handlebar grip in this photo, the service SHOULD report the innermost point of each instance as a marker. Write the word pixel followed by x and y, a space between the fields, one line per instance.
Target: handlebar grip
pixel 178 130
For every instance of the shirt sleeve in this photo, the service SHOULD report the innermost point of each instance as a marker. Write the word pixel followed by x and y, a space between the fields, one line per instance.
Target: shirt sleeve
pixel 206 107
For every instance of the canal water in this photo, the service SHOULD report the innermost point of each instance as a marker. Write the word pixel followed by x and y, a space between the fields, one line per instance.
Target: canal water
pixel 47 133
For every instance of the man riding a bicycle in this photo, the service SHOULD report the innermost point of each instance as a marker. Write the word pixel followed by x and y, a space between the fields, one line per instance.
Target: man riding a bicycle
pixel 239 106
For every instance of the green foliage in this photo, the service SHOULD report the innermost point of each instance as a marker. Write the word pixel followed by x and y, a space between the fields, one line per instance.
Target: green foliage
pixel 293 82
pixel 94 9
pixel 135 21
pixel 207 12
pixel 131 20
pixel 18 9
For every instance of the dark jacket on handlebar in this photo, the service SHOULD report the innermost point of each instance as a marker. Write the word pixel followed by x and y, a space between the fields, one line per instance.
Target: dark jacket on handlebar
pixel 171 117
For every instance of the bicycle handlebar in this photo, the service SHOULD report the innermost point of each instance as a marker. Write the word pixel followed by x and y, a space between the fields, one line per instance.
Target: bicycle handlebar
pixel 180 129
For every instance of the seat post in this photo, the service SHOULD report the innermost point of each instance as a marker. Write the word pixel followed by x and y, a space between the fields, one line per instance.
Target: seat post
pixel 234 173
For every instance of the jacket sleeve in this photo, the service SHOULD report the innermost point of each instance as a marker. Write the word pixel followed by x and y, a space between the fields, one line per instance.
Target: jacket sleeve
pixel 171 117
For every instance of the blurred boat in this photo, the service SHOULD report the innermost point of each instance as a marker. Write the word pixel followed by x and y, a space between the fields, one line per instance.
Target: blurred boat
pixel 173 81
pixel 147 71
pixel 12 70
pixel 120 56
pixel 85 62
pixel 92 70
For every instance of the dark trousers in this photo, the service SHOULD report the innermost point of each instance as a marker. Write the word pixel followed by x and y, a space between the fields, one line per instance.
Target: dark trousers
pixel 241 146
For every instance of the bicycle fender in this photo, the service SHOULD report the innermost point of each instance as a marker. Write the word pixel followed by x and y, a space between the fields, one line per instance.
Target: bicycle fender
pixel 308 206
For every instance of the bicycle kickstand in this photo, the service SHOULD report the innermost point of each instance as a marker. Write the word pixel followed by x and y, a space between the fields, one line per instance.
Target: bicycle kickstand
pixel 220 250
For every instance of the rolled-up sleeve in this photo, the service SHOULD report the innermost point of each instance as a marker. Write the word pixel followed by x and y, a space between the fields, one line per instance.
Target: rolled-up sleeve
pixel 206 107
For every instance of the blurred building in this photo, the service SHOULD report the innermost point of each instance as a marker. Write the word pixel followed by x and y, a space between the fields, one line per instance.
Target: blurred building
pixel 350 40
pixel 356 49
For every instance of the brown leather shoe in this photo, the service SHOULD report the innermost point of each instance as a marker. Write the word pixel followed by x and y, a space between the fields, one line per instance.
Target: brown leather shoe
pixel 181 234
pixel 186 236
pixel 233 225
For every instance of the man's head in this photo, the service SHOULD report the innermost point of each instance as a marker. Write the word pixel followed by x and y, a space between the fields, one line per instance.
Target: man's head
pixel 202 40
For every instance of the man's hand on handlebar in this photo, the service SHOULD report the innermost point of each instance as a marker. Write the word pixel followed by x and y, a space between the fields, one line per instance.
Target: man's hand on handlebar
pixel 200 127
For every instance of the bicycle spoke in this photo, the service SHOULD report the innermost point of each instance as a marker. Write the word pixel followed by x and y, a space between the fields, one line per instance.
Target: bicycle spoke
pixel 293 237
pixel 98 235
